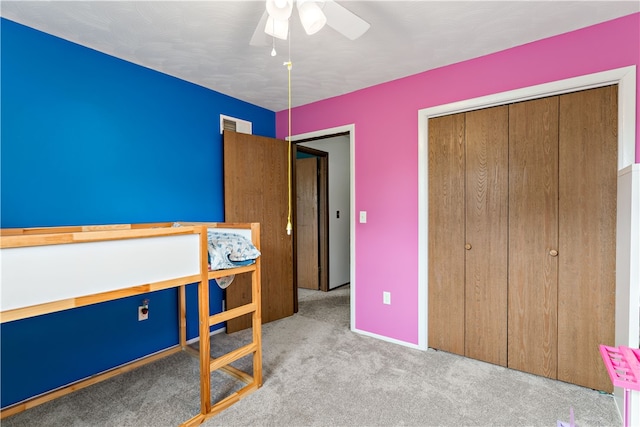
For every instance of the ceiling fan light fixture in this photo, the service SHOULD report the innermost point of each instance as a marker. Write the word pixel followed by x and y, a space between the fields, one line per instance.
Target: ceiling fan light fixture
pixel 277 28
pixel 279 9
pixel 311 16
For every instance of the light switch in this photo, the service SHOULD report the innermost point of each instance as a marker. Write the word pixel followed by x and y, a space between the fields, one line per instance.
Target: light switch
pixel 386 297
pixel 363 217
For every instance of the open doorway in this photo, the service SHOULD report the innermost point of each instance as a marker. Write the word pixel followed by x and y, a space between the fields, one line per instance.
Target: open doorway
pixel 312 220
pixel 335 213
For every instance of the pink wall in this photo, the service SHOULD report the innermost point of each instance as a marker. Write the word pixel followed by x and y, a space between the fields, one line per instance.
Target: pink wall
pixel 386 150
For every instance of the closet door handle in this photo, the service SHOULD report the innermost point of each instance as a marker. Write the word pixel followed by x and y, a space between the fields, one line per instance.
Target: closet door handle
pixel 553 252
pixel 467 246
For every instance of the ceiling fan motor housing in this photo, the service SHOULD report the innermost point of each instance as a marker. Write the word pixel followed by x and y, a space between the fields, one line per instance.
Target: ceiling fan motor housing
pixel 279 9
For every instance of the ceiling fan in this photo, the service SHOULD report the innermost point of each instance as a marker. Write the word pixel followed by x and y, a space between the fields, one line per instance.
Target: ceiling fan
pixel 314 14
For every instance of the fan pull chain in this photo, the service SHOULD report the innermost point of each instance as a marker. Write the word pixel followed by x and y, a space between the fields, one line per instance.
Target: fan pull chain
pixel 289 160
pixel 289 225
pixel 273 50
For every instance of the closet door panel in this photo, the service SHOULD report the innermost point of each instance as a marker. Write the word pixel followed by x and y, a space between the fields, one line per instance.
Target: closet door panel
pixel 587 229
pixel 446 233
pixel 487 155
pixel 533 236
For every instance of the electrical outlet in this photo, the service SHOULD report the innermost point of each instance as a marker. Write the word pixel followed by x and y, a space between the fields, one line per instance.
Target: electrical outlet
pixel 143 313
pixel 386 297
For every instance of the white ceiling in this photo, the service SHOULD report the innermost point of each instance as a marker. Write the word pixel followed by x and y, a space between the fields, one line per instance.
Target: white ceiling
pixel 207 42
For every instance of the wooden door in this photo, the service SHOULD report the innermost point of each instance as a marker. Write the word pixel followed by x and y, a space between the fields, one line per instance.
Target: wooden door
pixel 256 190
pixel 446 233
pixel 533 236
pixel 307 223
pixel 322 157
pixel 587 231
pixel 486 153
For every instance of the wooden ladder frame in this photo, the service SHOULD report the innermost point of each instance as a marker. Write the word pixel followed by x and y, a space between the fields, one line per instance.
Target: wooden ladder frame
pixel 208 364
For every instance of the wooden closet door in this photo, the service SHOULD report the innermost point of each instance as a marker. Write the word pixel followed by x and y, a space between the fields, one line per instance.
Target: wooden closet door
pixel 587 230
pixel 487 155
pixel 533 236
pixel 446 233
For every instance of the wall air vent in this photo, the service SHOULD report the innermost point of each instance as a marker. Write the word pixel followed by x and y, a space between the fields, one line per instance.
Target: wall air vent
pixel 234 124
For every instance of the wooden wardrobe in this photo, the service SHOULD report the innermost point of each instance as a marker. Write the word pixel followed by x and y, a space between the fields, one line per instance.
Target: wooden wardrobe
pixel 522 223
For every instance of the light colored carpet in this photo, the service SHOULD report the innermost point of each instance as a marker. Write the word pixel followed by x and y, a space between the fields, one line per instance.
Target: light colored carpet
pixel 319 373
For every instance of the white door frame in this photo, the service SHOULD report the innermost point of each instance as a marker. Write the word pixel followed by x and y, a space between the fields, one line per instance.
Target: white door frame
pixel 627 247
pixel 352 191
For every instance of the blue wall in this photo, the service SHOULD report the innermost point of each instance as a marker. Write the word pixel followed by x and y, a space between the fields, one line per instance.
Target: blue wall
pixel 90 139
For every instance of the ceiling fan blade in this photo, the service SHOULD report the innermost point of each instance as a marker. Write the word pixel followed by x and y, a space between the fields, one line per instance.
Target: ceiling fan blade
pixel 344 21
pixel 259 37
